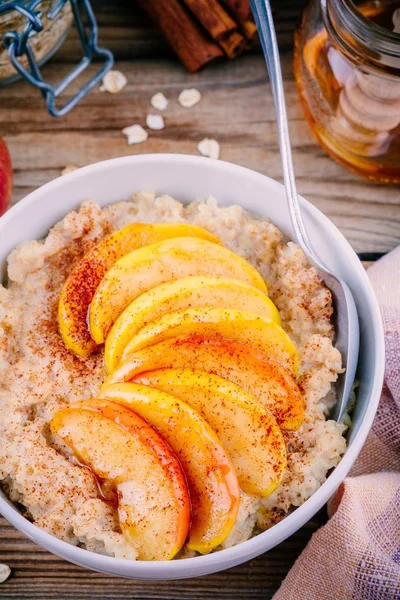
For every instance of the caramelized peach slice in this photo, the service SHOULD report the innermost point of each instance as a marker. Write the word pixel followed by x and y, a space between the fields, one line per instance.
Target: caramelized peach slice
pixel 246 429
pixel 256 372
pixel 188 292
pixel 240 326
pixel 153 501
pixel 147 267
pixel 213 487
pixel 82 282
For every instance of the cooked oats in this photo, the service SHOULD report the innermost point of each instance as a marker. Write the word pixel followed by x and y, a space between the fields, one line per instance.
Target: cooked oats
pixel 39 375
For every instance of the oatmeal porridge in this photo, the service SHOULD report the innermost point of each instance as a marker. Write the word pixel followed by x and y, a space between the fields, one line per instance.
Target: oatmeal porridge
pixel 65 493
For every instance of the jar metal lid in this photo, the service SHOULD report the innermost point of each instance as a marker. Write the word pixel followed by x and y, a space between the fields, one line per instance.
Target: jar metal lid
pixel 18 45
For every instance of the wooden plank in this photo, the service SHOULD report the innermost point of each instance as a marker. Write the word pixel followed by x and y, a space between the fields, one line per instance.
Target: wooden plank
pixel 37 574
pixel 127 32
pixel 236 109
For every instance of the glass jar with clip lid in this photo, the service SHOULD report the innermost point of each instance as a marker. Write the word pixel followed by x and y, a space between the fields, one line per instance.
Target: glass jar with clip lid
pixel 31 31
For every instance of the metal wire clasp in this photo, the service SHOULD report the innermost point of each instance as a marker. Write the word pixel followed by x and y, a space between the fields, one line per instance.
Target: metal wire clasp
pixel 17 45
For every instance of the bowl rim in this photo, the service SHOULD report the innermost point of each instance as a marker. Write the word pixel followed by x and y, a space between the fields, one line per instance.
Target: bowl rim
pixel 189 567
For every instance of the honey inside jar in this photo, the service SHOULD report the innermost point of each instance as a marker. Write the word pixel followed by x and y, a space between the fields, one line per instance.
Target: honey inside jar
pixel 347 68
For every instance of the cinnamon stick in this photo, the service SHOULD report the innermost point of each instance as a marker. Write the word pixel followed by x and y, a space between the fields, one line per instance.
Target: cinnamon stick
pixel 240 10
pixel 221 27
pixel 193 46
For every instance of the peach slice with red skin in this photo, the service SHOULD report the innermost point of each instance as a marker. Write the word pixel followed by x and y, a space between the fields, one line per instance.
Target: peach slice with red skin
pixel 188 292
pixel 83 280
pixel 145 268
pixel 213 486
pixel 6 176
pixel 246 429
pixel 256 372
pixel 120 447
pixel 261 333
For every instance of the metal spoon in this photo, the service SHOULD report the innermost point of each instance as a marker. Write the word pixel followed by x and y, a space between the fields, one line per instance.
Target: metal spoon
pixel 347 324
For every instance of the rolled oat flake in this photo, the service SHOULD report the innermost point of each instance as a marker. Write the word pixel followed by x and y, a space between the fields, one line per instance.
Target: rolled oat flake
pixel 189 97
pixel 159 101
pixel 135 134
pixel 209 147
pixel 155 122
pixel 69 169
pixel 5 572
pixel 113 82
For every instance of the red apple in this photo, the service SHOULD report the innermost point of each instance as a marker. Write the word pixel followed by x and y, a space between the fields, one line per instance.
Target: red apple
pixel 5 176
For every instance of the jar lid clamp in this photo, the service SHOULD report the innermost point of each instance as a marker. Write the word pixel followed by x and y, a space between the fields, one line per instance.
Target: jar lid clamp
pixel 17 45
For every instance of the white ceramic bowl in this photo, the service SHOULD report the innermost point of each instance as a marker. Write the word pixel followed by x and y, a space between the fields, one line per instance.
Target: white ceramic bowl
pixel 188 178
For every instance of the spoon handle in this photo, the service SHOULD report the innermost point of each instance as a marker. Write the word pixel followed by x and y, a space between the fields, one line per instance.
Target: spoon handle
pixel 265 25
pixel 347 324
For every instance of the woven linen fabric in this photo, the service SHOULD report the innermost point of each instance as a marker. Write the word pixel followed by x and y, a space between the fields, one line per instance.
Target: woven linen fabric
pixel 356 555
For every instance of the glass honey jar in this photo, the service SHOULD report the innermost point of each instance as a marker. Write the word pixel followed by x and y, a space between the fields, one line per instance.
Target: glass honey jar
pixel 347 69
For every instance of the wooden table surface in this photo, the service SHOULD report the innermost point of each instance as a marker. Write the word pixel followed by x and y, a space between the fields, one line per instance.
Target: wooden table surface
pixel 237 110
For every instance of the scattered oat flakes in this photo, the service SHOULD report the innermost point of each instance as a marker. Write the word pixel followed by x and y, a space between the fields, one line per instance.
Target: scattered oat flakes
pixel 189 98
pixel 5 572
pixel 159 101
pixel 113 82
pixel 135 134
pixel 155 122
pixel 209 147
pixel 69 169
